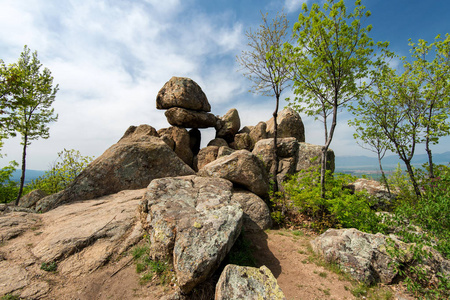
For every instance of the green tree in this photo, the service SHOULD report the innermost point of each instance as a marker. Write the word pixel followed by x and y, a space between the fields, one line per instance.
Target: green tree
pixel 435 88
pixel 8 187
pixel 63 171
pixel 32 94
pixel 396 103
pixel 333 63
pixel 265 66
pixel 370 137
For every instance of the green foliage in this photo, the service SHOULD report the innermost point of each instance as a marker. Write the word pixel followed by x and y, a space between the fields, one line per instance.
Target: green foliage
pixel 65 169
pixel 29 94
pixel 49 267
pixel 8 187
pixel 149 269
pixel 333 62
pixel 10 297
pixel 339 208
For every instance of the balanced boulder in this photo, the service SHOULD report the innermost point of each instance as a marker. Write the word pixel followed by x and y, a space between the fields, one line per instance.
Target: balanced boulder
pixel 182 92
pixel 289 125
pixel 228 125
pixel 187 118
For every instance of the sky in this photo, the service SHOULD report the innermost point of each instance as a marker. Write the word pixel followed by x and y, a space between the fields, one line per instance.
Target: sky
pixel 110 59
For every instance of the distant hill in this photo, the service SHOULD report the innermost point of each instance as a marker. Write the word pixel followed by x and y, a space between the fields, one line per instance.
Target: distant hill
pixel 29 175
pixel 359 165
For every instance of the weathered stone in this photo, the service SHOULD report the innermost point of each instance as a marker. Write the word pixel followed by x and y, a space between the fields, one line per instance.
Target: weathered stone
pixel 256 212
pixel 242 141
pixel 30 199
pixel 287 154
pixel 238 282
pixel 224 151
pixel 181 142
pixel 130 164
pixel 228 125
pixel 378 192
pixel 310 155
pixel 182 117
pixel 218 142
pixel 182 92
pixel 206 155
pixel 193 220
pixel 257 133
pixel 360 254
pixel 246 129
pixel 289 125
pixel 242 168
pixel 134 133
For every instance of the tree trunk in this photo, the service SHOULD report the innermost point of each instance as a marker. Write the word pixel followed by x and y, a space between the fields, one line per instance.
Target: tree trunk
pixel 323 170
pixel 275 146
pixel 411 176
pixel 383 176
pixel 430 158
pixel 22 177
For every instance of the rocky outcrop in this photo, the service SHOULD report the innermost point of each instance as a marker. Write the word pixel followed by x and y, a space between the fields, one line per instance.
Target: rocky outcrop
pixel 256 212
pixel 228 125
pixel 243 169
pixel 182 92
pixel 130 164
pixel 310 156
pixel 180 140
pixel 194 222
pixel 238 282
pixel 378 192
pixel 205 156
pixel 366 256
pixel 30 199
pixel 289 125
pixel 182 117
pixel 77 239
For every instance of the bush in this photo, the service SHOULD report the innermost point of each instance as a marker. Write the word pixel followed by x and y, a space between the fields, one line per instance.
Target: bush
pixel 339 208
pixel 65 169
pixel 8 188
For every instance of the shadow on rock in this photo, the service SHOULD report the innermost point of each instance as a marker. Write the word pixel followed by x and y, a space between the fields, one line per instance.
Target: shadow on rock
pixel 262 253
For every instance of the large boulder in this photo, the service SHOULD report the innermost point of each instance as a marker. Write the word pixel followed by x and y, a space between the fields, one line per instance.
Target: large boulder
pixel 242 168
pixel 228 125
pixel 367 257
pixel 187 118
pixel 310 156
pixel 181 142
pixel 130 164
pixel 256 212
pixel 380 195
pixel 205 156
pixel 182 92
pixel 257 133
pixel 238 282
pixel 30 199
pixel 193 221
pixel 135 133
pixel 289 125
pixel 242 141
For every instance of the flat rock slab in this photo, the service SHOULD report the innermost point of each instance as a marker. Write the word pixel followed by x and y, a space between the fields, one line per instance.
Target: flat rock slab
pixel 193 221
pixel 79 238
pixel 238 282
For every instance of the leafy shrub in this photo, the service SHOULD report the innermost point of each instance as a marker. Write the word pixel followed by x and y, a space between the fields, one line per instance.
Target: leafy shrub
pixel 49 267
pixel 8 188
pixel 65 169
pixel 339 208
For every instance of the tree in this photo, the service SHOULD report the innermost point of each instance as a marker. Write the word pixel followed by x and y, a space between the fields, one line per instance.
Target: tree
pixel 31 94
pixel 396 103
pixel 370 136
pixel 332 59
pixel 266 67
pixel 435 88
pixel 62 172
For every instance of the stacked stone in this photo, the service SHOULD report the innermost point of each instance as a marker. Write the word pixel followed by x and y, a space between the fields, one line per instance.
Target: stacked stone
pixel 186 104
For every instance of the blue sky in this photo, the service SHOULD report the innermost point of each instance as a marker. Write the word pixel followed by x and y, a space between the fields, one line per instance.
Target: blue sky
pixel 110 58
